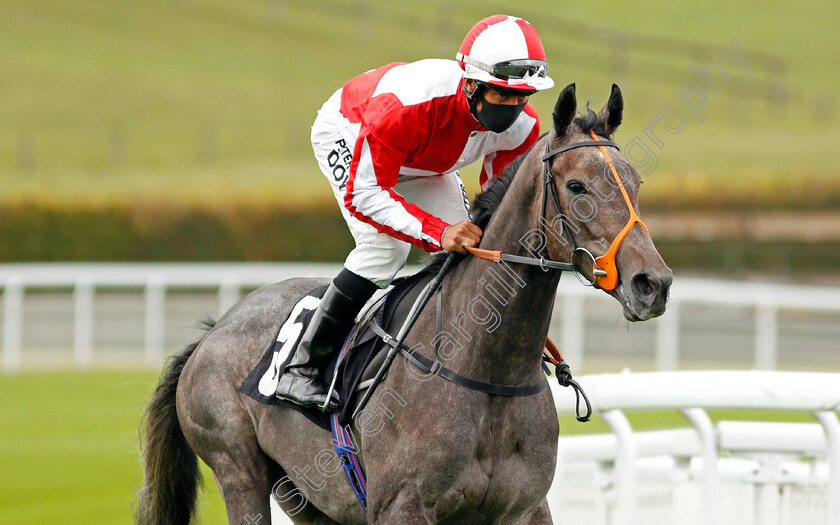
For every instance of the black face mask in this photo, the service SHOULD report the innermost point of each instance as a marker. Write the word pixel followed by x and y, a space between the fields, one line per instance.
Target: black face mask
pixel 498 117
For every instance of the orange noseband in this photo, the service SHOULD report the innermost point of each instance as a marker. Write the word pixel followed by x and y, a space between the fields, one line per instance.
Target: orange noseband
pixel 606 262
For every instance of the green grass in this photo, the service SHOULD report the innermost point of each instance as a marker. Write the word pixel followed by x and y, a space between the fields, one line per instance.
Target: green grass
pixel 69 446
pixel 209 101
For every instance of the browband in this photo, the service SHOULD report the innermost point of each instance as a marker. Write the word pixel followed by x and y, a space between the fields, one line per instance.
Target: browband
pixel 552 153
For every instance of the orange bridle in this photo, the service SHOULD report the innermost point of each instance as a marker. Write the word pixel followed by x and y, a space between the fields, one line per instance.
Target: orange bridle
pixel 606 262
pixel 604 269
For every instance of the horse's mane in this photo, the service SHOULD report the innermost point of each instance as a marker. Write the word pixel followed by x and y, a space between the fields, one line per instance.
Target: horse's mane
pixel 486 203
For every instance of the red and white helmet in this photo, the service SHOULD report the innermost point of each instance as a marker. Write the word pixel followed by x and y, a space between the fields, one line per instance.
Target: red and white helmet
pixel 505 51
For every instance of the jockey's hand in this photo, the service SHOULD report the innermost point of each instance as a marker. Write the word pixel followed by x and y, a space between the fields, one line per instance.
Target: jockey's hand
pixel 459 235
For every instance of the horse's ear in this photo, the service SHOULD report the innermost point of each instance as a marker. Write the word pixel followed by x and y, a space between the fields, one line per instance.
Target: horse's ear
pixel 610 115
pixel 564 110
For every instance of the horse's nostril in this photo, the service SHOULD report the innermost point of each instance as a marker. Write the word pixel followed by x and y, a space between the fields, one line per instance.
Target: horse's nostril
pixel 644 286
pixel 666 284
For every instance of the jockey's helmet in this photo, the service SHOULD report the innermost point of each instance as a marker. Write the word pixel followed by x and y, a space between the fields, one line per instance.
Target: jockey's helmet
pixel 505 52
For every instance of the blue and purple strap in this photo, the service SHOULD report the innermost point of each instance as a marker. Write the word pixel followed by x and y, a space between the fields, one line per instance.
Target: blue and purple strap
pixel 344 447
pixel 347 454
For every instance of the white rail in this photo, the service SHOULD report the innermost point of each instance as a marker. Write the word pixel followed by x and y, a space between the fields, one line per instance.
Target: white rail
pixel 692 393
pixel 155 280
pixel 766 300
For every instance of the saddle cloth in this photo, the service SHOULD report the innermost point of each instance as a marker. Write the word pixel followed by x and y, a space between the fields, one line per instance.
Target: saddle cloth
pixel 362 359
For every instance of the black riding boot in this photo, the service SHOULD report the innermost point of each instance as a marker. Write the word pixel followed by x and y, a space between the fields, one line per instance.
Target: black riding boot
pixel 333 318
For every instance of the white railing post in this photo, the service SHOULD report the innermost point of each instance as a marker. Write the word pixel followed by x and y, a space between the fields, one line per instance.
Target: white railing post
pixel 768 498
pixel 12 324
pixel 604 479
pixel 766 331
pixel 668 338
pixel 155 319
pixel 229 290
pixel 625 466
pixel 572 331
pixel 83 303
pixel 831 427
pixel 711 476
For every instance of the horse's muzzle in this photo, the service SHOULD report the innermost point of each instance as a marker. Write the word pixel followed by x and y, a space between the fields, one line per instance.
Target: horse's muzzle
pixel 649 294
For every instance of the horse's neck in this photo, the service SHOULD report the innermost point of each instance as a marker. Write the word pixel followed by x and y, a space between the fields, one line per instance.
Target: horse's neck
pixel 503 310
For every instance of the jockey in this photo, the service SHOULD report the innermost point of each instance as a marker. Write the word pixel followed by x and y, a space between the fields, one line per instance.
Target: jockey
pixel 390 143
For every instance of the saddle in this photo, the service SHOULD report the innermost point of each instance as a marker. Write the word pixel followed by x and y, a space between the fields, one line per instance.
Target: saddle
pixel 359 359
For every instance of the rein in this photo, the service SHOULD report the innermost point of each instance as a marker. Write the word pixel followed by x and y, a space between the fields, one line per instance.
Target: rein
pixel 542 262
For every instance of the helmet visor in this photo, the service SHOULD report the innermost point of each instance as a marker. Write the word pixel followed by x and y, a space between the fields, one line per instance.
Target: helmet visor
pixel 510 69
pixel 516 69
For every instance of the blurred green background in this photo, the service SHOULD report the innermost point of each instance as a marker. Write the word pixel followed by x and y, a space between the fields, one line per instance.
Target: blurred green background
pixel 178 129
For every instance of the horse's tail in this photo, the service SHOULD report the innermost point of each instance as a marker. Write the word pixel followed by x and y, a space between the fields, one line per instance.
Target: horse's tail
pixel 171 478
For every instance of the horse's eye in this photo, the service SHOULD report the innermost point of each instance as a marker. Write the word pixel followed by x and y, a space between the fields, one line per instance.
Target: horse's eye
pixel 575 186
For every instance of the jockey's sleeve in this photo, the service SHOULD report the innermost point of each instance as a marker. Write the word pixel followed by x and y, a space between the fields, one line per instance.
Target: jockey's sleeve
pixel 370 195
pixel 495 163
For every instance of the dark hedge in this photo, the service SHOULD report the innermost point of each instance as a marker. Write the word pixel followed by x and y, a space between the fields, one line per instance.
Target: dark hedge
pixel 161 233
pixel 144 232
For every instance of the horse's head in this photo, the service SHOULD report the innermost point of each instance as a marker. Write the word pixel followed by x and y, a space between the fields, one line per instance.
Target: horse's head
pixel 600 211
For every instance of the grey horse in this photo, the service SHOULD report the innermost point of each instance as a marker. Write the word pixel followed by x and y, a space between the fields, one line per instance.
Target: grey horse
pixel 433 452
